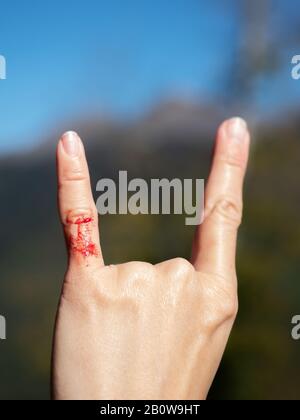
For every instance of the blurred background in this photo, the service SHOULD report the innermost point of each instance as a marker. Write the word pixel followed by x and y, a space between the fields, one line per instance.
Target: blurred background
pixel 146 83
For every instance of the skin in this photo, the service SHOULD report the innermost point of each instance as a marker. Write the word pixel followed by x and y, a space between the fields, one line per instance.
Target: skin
pixel 143 331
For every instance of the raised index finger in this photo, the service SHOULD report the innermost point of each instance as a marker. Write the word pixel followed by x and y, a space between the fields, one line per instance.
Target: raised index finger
pixel 76 204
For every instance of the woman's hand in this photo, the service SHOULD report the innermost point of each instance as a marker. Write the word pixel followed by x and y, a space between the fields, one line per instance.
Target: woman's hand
pixel 143 331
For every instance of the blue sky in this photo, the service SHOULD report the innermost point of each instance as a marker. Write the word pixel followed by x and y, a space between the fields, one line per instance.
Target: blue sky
pixel 70 58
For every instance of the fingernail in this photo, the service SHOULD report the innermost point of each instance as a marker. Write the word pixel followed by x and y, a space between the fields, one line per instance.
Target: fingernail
pixel 236 127
pixel 70 141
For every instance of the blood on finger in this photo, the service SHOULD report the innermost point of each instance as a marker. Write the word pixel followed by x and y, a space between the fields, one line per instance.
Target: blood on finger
pixel 81 241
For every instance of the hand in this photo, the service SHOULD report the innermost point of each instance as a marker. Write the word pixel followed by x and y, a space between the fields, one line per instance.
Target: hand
pixel 143 331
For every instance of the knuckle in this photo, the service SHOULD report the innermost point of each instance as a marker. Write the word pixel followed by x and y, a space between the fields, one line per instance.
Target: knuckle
pixel 71 216
pixel 230 210
pixel 233 160
pixel 229 309
pixel 221 309
pixel 71 174
pixel 225 312
pixel 181 265
pixel 138 269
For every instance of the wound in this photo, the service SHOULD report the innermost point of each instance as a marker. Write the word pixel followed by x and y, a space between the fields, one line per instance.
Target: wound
pixel 81 241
